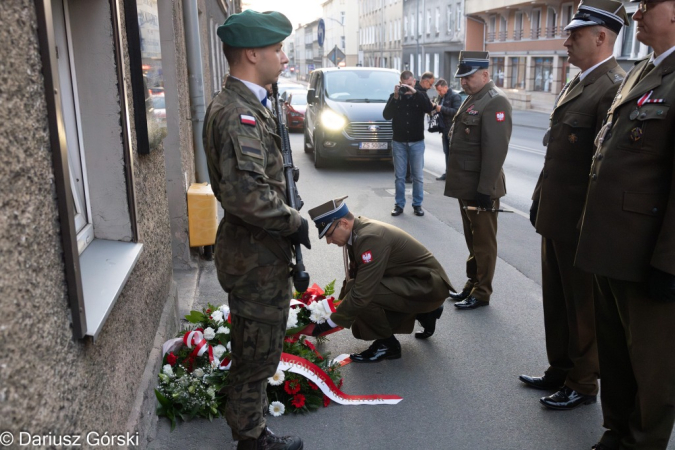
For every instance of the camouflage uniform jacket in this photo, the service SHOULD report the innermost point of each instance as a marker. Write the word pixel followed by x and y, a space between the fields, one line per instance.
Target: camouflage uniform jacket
pixel 246 169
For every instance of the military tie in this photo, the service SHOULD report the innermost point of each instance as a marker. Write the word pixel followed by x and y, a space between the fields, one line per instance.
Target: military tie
pixel 647 69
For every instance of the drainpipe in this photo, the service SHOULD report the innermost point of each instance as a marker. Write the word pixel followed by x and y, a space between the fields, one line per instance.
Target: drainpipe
pixel 196 85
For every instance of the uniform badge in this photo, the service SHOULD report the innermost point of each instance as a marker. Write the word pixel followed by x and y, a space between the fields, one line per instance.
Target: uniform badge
pixel 367 257
pixel 634 114
pixel 635 134
pixel 247 120
pixel 501 116
pixel 467 130
pixel 472 112
pixel 572 138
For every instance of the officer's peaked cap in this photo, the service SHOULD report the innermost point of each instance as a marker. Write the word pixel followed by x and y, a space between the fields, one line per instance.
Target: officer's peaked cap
pixel 251 29
pixel 324 215
pixel 607 13
pixel 470 62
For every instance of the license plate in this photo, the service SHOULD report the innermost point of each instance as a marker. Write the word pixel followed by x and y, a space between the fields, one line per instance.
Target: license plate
pixel 373 145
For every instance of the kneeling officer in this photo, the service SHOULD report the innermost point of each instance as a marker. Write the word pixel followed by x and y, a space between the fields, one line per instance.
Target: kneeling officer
pixel 392 279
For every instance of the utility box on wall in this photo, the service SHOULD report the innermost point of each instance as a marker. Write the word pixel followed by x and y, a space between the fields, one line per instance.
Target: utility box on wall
pixel 202 215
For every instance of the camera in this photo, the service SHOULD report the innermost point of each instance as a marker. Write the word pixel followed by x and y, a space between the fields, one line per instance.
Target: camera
pixel 403 89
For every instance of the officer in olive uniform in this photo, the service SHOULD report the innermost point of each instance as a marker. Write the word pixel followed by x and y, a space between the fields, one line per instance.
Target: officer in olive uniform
pixel 558 201
pixel 391 280
pixel 254 241
pixel 627 240
pixel 479 140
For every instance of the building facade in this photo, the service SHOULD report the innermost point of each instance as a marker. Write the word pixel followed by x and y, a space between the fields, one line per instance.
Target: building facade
pixel 433 36
pixel 99 117
pixel 341 18
pixel 380 33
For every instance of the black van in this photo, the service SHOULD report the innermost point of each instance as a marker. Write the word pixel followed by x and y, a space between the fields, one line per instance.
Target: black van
pixel 344 114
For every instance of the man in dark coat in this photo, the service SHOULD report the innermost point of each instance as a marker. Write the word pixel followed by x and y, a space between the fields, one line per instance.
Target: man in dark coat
pixel 627 240
pixel 446 104
pixel 558 200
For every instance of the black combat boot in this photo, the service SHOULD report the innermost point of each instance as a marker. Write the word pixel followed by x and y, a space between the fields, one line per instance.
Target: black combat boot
pixel 269 441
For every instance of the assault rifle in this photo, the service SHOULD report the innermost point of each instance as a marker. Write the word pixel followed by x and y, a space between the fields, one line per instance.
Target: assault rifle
pixel 292 173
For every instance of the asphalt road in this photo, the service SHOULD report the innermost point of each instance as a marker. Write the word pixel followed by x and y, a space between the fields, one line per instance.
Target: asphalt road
pixel 460 388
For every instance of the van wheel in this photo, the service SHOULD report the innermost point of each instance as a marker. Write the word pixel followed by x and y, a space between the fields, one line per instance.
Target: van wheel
pixel 308 145
pixel 320 161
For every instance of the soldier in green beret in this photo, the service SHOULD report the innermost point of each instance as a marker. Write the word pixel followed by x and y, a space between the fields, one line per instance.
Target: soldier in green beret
pixel 255 238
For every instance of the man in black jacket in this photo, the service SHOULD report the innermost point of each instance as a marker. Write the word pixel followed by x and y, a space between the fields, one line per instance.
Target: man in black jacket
pixel 447 104
pixel 406 109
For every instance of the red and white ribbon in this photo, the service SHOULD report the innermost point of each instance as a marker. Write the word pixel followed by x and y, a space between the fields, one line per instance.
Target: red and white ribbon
pixel 641 101
pixel 313 373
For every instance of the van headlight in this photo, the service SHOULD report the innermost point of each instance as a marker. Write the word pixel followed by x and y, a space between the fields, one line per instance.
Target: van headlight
pixel 332 120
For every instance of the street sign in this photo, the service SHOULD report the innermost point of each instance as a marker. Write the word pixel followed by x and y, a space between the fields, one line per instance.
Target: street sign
pixel 321 32
pixel 336 56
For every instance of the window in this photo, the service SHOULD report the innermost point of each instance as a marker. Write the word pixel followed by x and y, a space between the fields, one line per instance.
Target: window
pixel 492 29
pixel 436 64
pixel 391 31
pixel 412 25
pixel 543 74
pixel 497 67
pixel 420 23
pixel 459 17
pixel 551 21
pixel 451 20
pixel 342 42
pixel 412 63
pixel 419 65
pixel 427 66
pixel 535 31
pixel 428 21
pixel 517 72
pixel 438 19
pixel 502 28
pixel 405 27
pixel 342 17
pixel 518 26
pixel 567 12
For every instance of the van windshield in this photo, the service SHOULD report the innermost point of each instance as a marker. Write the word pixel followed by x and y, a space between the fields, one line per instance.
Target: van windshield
pixel 366 86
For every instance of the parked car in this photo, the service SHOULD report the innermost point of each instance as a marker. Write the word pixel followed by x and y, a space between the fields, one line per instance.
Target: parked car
pixel 295 106
pixel 159 108
pixel 344 114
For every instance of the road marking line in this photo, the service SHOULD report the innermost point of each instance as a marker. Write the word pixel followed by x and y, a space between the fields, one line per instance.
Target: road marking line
pixel 528 149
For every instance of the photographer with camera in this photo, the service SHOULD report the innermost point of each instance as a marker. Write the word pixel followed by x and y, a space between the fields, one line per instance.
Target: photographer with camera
pixel 446 104
pixel 406 109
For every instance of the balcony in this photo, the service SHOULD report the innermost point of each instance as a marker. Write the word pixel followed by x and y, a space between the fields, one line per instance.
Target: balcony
pixel 502 36
pixel 535 33
pixel 517 35
pixel 491 36
pixel 551 32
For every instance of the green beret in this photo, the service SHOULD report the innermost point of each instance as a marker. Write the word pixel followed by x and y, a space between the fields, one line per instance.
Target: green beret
pixel 251 29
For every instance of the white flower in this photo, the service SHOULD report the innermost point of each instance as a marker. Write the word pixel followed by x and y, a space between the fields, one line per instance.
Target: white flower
pixel 277 378
pixel 223 330
pixel 219 351
pixel 211 392
pixel 217 316
pixel 209 334
pixel 277 409
pixel 167 370
pixel 292 318
pixel 198 373
pixel 318 313
pixel 226 311
pixel 229 347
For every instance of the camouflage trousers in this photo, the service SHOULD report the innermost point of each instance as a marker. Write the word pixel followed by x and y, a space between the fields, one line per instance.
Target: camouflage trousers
pixel 259 303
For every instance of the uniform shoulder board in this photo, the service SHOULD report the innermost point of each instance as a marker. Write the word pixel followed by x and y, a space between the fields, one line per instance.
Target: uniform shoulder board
pixel 493 93
pixel 615 77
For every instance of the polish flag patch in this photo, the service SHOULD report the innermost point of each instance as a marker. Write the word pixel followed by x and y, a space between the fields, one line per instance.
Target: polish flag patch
pixel 247 120
pixel 501 116
pixel 367 257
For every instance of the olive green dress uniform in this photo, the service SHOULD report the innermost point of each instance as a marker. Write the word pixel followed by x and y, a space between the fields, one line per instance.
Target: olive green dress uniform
pixel 246 169
pixel 395 279
pixel 569 317
pixel 479 141
pixel 628 227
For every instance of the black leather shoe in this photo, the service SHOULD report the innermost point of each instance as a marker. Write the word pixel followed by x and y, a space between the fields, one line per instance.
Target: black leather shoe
pixel 456 296
pixel 396 211
pixel 428 321
pixel 544 383
pixel 471 302
pixel 418 211
pixel 378 351
pixel 441 178
pixel 567 398
pixel 269 441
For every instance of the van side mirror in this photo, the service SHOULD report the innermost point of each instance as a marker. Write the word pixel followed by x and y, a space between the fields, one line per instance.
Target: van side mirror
pixel 311 96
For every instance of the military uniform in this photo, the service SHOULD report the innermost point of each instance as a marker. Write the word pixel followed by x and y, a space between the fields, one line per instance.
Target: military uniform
pixel 253 252
pixel 627 230
pixel 479 140
pixel 395 278
pixel 569 317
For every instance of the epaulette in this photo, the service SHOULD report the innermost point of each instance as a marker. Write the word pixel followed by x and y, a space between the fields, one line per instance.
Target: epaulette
pixel 493 93
pixel 615 77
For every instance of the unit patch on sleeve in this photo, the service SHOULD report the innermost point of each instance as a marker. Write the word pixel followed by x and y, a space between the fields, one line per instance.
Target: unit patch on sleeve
pixel 367 257
pixel 501 116
pixel 247 120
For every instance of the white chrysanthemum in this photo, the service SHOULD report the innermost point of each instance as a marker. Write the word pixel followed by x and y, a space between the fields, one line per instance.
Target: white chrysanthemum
pixel 223 330
pixel 277 378
pixel 318 313
pixel 229 347
pixel 198 373
pixel 292 318
pixel 219 351
pixel 209 333
pixel 217 316
pixel 277 409
pixel 167 370
pixel 226 311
